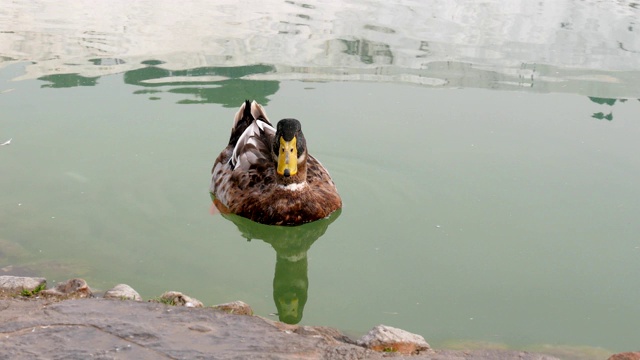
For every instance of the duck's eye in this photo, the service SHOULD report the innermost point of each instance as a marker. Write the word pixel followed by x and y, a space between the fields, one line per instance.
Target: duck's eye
pixel 291 150
pixel 282 150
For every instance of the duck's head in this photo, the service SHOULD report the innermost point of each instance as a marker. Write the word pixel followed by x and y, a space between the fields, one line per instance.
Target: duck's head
pixel 290 152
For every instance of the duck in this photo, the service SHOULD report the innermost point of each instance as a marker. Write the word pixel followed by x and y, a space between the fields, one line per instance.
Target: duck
pixel 267 175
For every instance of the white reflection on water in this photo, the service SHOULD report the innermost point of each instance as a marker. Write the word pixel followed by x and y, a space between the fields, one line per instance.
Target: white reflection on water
pixel 399 41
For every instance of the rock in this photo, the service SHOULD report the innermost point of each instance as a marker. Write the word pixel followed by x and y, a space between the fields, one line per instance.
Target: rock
pixel 330 335
pixel 17 285
pixel 46 329
pixel 389 339
pixel 235 307
pixel 122 292
pixel 105 329
pixel 70 289
pixel 179 299
pixel 626 356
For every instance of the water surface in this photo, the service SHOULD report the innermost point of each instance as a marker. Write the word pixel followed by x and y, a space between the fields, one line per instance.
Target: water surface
pixel 486 156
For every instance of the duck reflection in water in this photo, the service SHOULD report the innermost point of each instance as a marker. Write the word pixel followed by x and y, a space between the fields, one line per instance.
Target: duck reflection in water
pixel 291 243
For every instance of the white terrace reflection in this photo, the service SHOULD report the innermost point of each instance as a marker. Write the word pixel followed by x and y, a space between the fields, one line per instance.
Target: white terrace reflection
pixel 585 47
pixel 229 86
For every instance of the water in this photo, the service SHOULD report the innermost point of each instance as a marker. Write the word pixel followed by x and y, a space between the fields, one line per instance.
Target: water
pixel 486 155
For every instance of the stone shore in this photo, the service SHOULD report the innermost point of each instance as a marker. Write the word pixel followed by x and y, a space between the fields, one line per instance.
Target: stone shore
pixel 69 322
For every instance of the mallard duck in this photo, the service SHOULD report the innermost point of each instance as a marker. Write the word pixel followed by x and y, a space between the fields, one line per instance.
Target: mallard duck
pixel 267 175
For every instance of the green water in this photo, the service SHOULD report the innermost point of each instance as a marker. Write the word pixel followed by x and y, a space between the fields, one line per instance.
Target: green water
pixel 482 202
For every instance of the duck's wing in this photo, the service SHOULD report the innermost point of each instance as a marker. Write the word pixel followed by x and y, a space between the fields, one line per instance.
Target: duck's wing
pixel 253 146
pixel 317 173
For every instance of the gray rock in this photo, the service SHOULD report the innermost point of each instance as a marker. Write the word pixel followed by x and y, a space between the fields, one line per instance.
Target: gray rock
pixel 15 285
pixel 390 339
pixel 70 289
pixel 235 307
pixel 122 292
pixel 45 329
pixel 179 299
pixel 330 335
pixel 146 330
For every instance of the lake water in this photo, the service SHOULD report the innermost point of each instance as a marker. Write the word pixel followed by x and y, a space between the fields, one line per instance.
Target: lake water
pixel 486 153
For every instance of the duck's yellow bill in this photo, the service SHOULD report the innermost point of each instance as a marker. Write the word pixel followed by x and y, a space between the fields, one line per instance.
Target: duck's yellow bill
pixel 288 157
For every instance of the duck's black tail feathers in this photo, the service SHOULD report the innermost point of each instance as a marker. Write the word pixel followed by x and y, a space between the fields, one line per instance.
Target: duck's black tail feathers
pixel 243 119
pixel 246 115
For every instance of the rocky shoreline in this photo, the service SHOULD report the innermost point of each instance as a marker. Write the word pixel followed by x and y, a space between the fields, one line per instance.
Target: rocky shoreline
pixel 70 322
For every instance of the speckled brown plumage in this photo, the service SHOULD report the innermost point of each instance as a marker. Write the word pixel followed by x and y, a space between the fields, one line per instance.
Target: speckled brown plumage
pixel 245 179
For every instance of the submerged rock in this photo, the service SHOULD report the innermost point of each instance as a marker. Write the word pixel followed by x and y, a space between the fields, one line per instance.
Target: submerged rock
pixel 389 339
pixel 17 285
pixel 70 289
pixel 179 299
pixel 235 307
pixel 122 292
pixel 626 356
